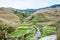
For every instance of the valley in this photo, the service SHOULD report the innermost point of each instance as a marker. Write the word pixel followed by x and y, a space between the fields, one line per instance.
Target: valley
pixel 30 24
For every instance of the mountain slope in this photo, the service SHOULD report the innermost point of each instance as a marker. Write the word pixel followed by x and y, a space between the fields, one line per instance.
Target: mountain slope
pixel 45 16
pixel 7 16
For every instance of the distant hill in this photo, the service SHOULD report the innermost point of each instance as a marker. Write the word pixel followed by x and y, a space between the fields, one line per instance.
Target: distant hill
pixel 24 13
pixel 37 15
pixel 46 16
pixel 27 12
pixel 54 6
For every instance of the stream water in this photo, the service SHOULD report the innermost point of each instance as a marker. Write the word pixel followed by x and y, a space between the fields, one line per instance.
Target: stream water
pixel 38 33
pixel 51 37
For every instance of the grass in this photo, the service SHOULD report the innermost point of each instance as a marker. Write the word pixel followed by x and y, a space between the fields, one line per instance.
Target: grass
pixel 8 16
pixel 39 18
pixel 11 17
pixel 30 35
pixel 48 30
pixel 23 29
pixel 18 32
pixel 23 32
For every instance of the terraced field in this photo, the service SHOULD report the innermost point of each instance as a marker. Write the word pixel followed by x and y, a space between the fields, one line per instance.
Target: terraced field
pixel 26 31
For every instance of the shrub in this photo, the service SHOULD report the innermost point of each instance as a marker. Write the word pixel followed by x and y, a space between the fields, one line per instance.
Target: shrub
pixel 10 29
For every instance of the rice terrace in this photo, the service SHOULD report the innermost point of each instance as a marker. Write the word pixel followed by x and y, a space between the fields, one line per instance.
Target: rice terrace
pixel 29 20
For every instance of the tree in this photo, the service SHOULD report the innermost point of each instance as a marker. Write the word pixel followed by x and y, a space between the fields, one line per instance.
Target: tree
pixel 4 30
pixel 10 29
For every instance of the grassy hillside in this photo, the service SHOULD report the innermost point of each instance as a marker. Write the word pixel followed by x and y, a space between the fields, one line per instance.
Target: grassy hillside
pixel 45 16
pixel 49 18
pixel 8 16
pixel 46 20
pixel 24 13
pixel 10 22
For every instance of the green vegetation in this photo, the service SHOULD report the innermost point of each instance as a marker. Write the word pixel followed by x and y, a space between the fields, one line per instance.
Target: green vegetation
pixel 15 25
pixel 18 32
pixel 24 13
pixel 25 29
pixel 48 30
pixel 39 18
pixel 4 30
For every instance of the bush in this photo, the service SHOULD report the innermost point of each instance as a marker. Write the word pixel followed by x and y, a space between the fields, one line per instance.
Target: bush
pixel 10 29
pixel 1 37
pixel 2 26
